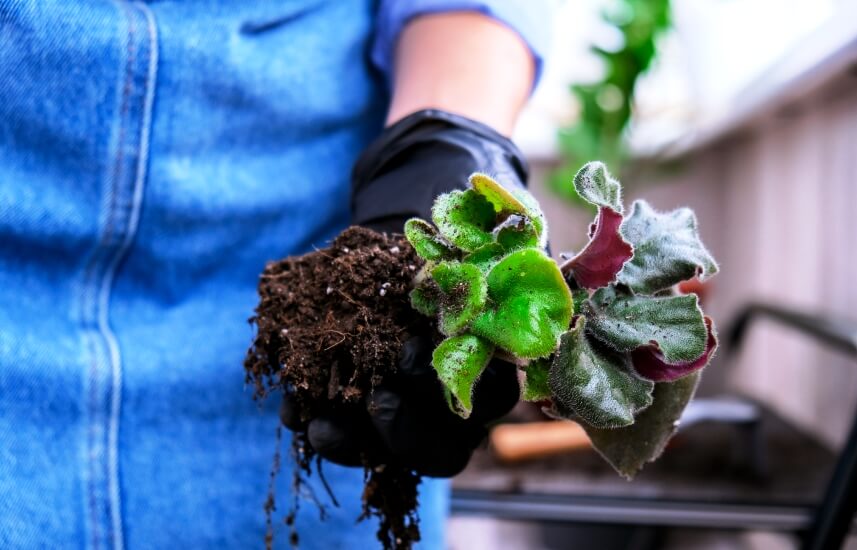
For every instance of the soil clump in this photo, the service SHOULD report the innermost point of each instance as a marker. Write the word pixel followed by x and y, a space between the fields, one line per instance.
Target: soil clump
pixel 330 326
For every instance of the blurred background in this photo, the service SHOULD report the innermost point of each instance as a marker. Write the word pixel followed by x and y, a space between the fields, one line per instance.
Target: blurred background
pixel 745 111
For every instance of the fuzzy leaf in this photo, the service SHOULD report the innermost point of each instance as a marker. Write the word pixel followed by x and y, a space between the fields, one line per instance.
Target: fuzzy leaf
pixel 626 322
pixel 513 234
pixel 426 242
pixel 459 361
pixel 667 249
pixel 536 381
pixel 516 232
pixel 579 297
pixel 511 201
pixel 629 449
pixel 486 256
pixel 650 364
pixel 502 199
pixel 464 218
pixel 464 292
pixel 595 384
pixel 595 185
pixel 529 305
pixel 425 298
pixel 598 264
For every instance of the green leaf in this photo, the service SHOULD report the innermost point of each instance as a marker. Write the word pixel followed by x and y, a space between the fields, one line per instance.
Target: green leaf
pixel 459 361
pixel 629 449
pixel 511 201
pixel 513 234
pixel 667 249
pixel 595 185
pixel 425 298
pixel 516 232
pixel 464 218
pixel 464 292
pixel 595 384
pixel 502 199
pixel 486 256
pixel 536 381
pixel 579 297
pixel 626 322
pixel 529 305
pixel 426 242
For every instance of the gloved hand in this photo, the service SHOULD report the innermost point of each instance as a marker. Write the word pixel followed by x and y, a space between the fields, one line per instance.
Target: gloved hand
pixel 406 420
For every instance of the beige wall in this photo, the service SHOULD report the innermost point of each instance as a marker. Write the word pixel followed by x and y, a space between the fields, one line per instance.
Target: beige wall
pixel 777 206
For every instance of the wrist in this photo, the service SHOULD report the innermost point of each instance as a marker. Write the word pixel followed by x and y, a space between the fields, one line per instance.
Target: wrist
pixel 462 62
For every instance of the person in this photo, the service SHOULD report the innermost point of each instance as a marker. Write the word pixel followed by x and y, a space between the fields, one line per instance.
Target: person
pixel 153 157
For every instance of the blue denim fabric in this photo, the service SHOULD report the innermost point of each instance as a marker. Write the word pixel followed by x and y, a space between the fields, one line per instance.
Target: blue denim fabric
pixel 153 157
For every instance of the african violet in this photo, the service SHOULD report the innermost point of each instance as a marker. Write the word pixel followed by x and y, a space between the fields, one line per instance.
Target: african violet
pixel 603 337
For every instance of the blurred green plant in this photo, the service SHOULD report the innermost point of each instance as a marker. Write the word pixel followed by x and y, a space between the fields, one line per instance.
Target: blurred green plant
pixel 606 106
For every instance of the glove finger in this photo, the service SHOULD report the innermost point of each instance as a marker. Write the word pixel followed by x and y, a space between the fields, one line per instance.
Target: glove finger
pixel 290 414
pixel 337 438
pixel 422 435
pixel 496 392
pixel 444 460
pixel 415 360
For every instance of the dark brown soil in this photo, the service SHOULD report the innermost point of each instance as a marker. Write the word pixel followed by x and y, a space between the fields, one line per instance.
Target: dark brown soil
pixel 330 326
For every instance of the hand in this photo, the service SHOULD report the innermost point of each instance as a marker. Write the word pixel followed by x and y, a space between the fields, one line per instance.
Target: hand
pixel 406 420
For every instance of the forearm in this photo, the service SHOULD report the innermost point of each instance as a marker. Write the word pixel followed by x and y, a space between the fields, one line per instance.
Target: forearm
pixel 465 63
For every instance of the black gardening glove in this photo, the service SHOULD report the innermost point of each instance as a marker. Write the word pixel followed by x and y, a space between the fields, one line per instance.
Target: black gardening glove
pixel 407 420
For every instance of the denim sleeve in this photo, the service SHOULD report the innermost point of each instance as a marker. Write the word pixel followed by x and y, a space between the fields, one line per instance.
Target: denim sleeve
pixel 530 19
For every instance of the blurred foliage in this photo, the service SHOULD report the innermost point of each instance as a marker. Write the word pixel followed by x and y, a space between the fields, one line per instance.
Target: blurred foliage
pixel 605 106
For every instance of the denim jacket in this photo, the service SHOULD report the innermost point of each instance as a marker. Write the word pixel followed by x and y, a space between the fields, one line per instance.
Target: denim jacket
pixel 153 156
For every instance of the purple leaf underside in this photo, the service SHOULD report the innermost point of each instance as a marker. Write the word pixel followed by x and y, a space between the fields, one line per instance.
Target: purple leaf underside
pixel 599 263
pixel 649 362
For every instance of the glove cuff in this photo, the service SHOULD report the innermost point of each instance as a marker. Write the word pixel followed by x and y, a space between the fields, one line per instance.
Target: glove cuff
pixel 425 154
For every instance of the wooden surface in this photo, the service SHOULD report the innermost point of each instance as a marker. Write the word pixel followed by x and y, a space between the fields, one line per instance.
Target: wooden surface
pixel 532 440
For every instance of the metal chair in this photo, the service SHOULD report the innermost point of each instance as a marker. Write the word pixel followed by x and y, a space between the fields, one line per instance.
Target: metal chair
pixel 834 515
